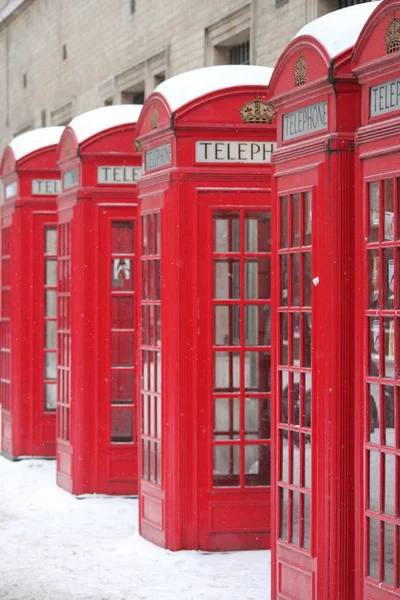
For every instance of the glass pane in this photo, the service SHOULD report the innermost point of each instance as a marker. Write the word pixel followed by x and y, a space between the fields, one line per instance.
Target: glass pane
pixel 51 303
pixel 306 522
pixel 51 272
pixel 388 366
pixel 122 238
pixel 121 349
pixel 374 411
pixel 158 325
pixel 158 463
pixel 51 240
pixel 373 535
pixel 145 415
pixel 121 313
pixel 284 409
pixel 296 517
pixel 296 339
pixel 388 278
pixel 150 239
pixel 374 480
pixel 227 325
pixel 257 325
pixel 283 509
pixel 226 371
pixel 307 401
pixel 307 218
pixel 50 365
pixel 227 279
pixel 257 275
pixel 158 278
pixel 158 416
pixel 284 331
pixel 257 465
pixel 307 339
pixel 389 488
pixel 388 559
pixel 373 279
pixel 295 280
pixel 226 232
pixel 373 190
pixel 144 235
pixel 257 371
pixel 284 474
pixel 389 437
pixel 121 387
pixel 284 279
pixel 121 425
pixel 374 347
pixel 388 202
pixel 257 232
pixel 51 330
pixel 152 474
pixel 307 279
pixel 256 419
pixel 295 220
pixel 151 417
pixel 121 274
pixel 226 466
pixel 159 371
pixel 157 249
pixel 50 398
pixel 296 399
pixel 284 222
pixel 227 418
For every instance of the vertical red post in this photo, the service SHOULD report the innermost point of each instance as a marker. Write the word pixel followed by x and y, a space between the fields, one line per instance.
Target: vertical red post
pixel 28 294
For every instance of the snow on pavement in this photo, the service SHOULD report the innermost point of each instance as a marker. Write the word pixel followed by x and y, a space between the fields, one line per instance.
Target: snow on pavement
pixel 54 546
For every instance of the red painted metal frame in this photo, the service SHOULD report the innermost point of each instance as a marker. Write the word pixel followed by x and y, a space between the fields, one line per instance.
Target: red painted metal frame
pixel 323 164
pixel 184 511
pixel 88 461
pixel 28 429
pixel 377 160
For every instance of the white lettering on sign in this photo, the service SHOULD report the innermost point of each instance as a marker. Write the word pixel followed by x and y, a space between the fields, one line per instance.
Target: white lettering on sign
pixel 11 189
pixel 46 187
pixel 158 157
pixel 70 178
pixel 228 152
pixel 384 97
pixel 122 175
pixel 305 120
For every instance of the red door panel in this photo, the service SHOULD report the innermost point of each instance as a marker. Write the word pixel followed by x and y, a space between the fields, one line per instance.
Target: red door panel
pixel 295 577
pixel 234 380
pixel 117 465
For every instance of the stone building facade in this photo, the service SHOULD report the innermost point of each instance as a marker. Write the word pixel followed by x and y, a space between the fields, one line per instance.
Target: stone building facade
pixel 59 58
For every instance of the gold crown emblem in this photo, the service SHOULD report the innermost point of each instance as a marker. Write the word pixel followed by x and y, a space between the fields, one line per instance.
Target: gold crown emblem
pixel 257 111
pixel 154 118
pixel 136 145
pixel 392 36
pixel 300 71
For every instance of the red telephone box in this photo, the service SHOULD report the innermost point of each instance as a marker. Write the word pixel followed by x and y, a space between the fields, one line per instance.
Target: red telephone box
pixel 96 405
pixel 376 64
pixel 317 101
pixel 206 138
pixel 28 294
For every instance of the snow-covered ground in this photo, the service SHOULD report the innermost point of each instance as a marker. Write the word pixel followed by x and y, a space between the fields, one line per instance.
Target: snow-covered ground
pixel 57 547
